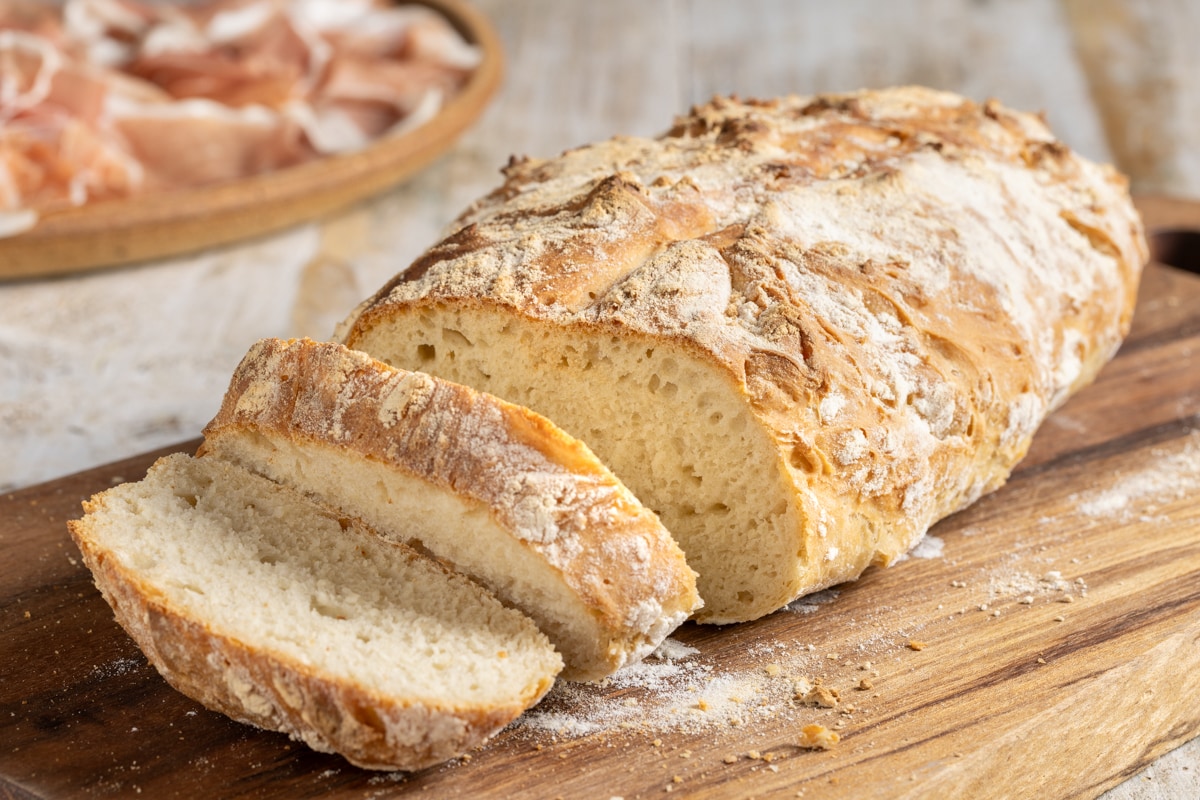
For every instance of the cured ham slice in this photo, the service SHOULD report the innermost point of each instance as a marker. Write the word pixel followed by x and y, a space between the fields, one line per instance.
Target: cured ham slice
pixel 99 99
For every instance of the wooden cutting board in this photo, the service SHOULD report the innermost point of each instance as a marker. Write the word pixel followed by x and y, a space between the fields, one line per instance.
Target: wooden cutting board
pixel 1048 644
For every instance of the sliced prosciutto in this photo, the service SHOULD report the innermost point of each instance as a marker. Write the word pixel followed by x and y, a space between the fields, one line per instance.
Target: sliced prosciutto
pixel 101 99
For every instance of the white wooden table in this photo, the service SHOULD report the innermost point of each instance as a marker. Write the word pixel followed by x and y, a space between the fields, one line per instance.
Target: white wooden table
pixel 100 366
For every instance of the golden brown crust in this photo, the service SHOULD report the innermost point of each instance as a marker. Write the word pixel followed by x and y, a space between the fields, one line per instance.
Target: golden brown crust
pixel 902 284
pixel 269 690
pixel 543 487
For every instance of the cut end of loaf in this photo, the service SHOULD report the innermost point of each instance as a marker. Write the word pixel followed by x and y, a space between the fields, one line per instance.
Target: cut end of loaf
pixel 673 428
pixel 277 612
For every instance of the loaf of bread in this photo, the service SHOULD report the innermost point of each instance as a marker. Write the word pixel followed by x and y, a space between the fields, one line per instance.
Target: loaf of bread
pixel 493 489
pixel 260 604
pixel 801 330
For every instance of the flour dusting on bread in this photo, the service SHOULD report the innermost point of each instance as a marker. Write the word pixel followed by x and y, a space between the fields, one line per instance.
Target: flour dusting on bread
pixel 802 330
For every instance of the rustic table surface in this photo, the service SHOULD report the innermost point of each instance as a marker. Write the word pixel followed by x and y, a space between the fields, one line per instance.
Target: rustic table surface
pixel 99 366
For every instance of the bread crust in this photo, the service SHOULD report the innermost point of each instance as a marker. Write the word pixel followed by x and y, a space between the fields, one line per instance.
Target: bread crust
pixel 542 487
pixel 270 690
pixel 900 284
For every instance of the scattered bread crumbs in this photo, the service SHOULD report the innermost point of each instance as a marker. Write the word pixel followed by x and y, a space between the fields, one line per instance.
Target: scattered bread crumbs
pixel 677 779
pixel 754 755
pixel 773 670
pixel 730 759
pixel 1027 600
pixel 817 737
pixel 1041 661
pixel 702 705
pixel 865 684
pixel 1060 618
pixel 913 644
pixel 821 696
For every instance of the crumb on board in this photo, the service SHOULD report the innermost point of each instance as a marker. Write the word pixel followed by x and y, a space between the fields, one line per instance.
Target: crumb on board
pixel 821 697
pixel 913 644
pixel 817 737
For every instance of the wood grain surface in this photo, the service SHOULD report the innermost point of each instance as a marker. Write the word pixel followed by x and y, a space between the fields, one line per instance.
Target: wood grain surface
pixel 964 673
pixel 158 225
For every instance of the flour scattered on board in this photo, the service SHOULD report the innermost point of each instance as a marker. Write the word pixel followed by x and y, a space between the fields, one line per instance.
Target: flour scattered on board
pixel 671 691
pixel 928 547
pixel 117 668
pixel 1138 494
pixel 811 603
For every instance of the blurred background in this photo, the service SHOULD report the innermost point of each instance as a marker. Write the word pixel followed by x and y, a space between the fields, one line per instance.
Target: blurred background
pixel 98 366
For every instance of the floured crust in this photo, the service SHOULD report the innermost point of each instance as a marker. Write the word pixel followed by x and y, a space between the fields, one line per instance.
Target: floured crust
pixel 901 284
pixel 542 487
pixel 267 689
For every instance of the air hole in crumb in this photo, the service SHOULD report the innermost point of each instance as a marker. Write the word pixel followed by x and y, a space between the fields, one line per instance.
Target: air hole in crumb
pixel 654 383
pixel 745 597
pixel 426 353
pixel 344 523
pixel 190 499
pixel 326 610
pixel 456 337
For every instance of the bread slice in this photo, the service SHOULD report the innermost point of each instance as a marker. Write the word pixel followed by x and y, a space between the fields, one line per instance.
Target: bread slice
pixel 492 488
pixel 801 330
pixel 262 605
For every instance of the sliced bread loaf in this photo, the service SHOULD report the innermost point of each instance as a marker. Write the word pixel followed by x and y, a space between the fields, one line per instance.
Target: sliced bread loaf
pixel 800 330
pixel 262 605
pixel 492 488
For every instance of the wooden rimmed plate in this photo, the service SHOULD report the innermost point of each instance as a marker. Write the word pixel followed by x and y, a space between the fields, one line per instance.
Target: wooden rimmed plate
pixel 157 225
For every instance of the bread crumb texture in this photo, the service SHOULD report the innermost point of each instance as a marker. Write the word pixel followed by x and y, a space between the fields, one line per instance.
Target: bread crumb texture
pixel 494 489
pixel 277 612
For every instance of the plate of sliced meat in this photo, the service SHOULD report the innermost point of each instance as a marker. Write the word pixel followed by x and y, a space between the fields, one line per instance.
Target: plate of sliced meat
pixel 132 130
